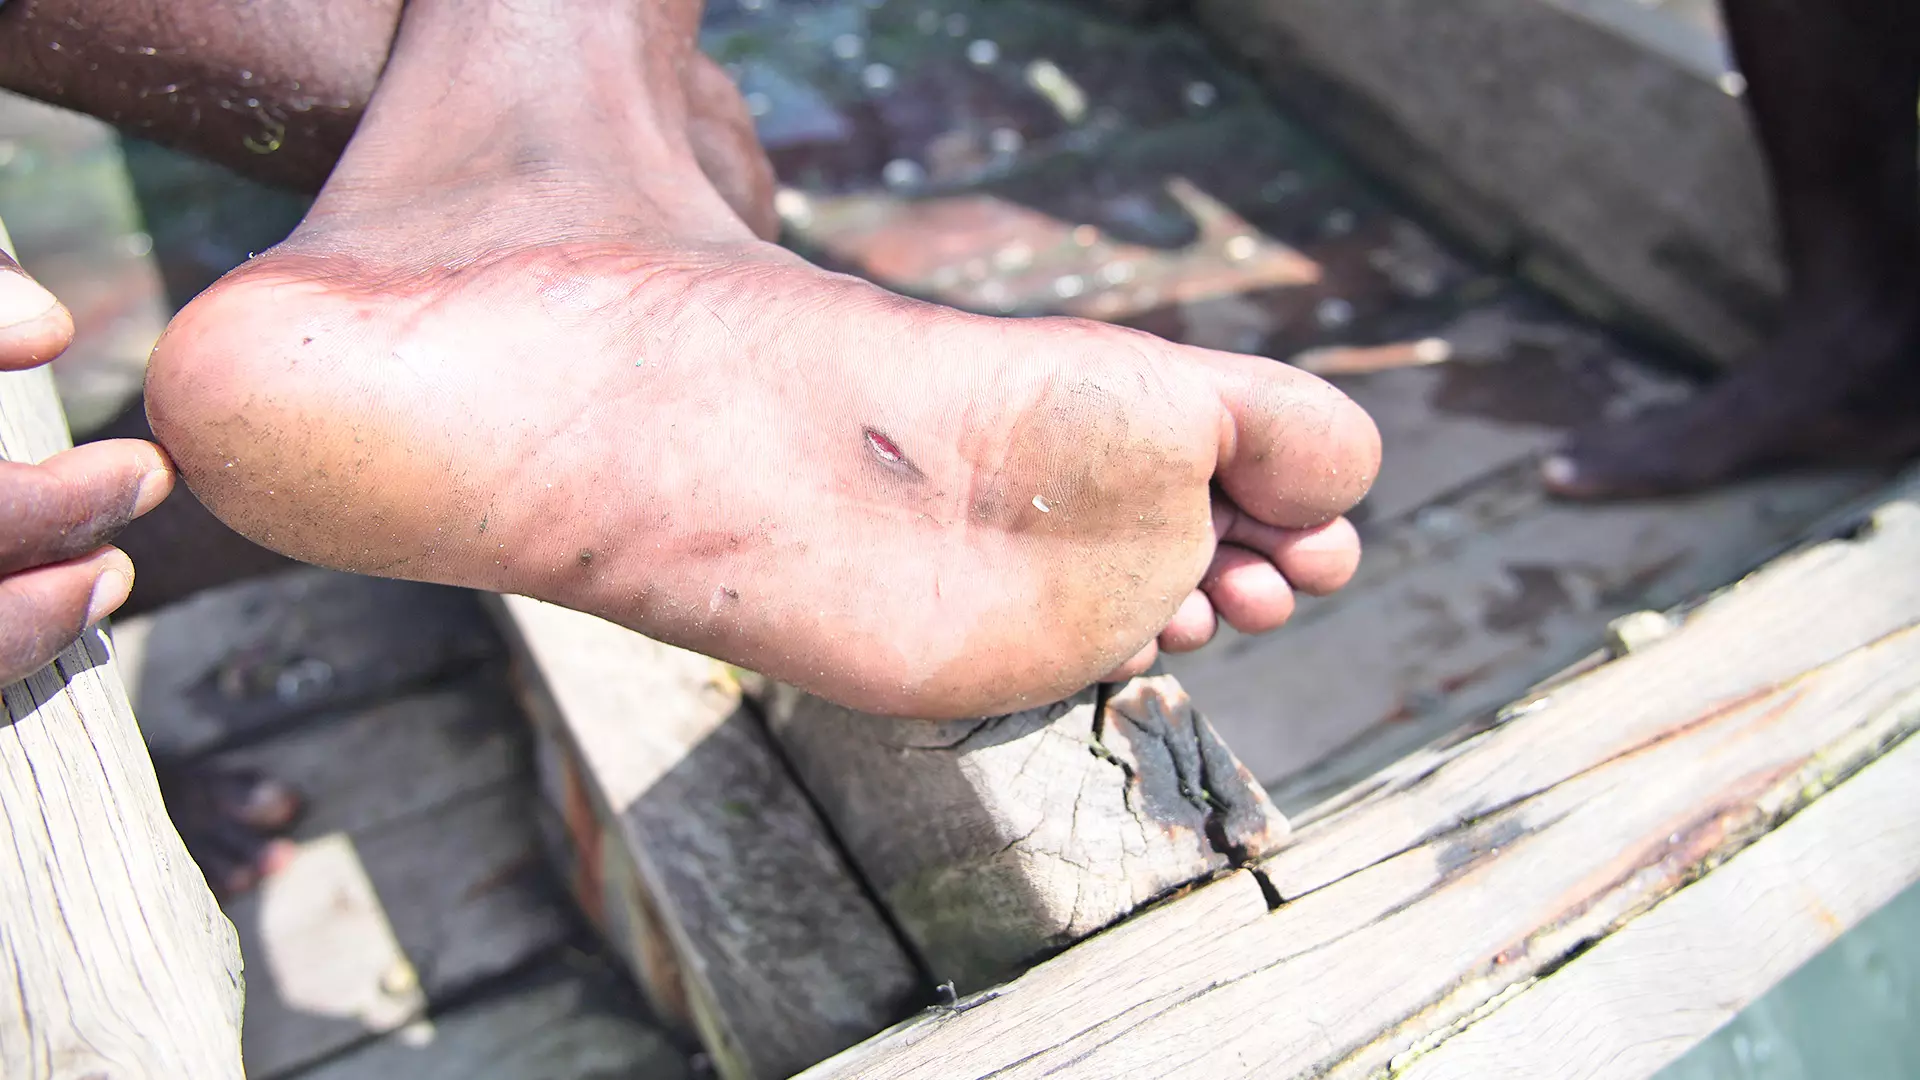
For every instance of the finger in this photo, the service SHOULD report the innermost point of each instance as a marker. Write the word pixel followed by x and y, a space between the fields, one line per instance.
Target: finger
pixel 1314 561
pixel 1192 626
pixel 1247 590
pixel 74 502
pixel 34 327
pixel 42 610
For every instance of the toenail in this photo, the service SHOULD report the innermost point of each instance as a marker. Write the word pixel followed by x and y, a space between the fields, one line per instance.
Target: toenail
pixel 23 300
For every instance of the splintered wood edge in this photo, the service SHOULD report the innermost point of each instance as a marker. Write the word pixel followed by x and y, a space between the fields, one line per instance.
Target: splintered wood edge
pixel 999 840
pixel 1788 769
pixel 121 961
pixel 824 969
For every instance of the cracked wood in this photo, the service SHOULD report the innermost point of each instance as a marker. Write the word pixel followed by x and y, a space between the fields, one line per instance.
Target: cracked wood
pixel 114 959
pixel 994 842
pixel 1494 872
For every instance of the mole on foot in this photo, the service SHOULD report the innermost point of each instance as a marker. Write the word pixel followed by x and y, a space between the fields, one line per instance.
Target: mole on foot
pixel 522 343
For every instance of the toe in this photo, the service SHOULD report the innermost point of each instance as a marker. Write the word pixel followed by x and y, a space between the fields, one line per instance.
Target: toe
pixel 1295 451
pixel 254 800
pixel 1138 665
pixel 1314 561
pixel 1247 590
pixel 1192 626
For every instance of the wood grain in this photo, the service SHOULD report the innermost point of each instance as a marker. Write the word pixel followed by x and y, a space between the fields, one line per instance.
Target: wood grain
pixel 994 842
pixel 557 1029
pixel 1646 994
pixel 114 959
pixel 697 853
pixel 1427 901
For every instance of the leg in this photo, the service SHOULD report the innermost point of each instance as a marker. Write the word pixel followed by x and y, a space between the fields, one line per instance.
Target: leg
pixel 273 89
pixel 697 434
pixel 1832 88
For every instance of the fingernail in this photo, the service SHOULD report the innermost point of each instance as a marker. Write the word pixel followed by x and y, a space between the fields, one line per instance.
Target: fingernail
pixel 110 590
pixel 22 300
pixel 154 489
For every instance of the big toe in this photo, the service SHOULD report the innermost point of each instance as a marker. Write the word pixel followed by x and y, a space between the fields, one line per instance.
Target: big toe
pixel 1294 452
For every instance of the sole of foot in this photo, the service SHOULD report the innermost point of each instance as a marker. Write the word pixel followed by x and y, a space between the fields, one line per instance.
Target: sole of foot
pixel 519 346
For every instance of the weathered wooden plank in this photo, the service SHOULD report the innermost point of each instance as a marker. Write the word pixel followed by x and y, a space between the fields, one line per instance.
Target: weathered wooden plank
pixel 115 959
pixel 242 659
pixel 1794 615
pixel 361 931
pixel 1613 175
pixel 1464 607
pixel 561 1028
pixel 1422 902
pixel 372 767
pixel 993 842
pixel 696 851
pixel 1642 996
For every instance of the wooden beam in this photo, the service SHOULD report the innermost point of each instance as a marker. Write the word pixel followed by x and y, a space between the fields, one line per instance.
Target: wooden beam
pixel 1548 133
pixel 1424 903
pixel 114 959
pixel 994 842
pixel 1643 996
pixel 695 851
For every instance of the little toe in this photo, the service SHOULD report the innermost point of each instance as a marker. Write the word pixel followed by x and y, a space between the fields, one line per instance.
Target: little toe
pixel 1192 626
pixel 1137 665
pixel 1315 561
pixel 254 800
pixel 1247 590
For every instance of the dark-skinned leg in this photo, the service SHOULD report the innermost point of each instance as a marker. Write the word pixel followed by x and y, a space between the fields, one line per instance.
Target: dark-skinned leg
pixel 273 90
pixel 1832 88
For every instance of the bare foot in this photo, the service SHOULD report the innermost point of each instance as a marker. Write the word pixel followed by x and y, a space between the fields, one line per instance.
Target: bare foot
pixel 1835 389
pixel 522 344
pixel 231 821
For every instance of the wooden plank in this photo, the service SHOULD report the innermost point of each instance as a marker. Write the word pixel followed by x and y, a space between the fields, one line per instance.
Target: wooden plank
pixel 1643 996
pixel 1421 902
pixel 697 852
pixel 994 842
pixel 376 766
pixel 362 931
pixel 561 1028
pixel 416 877
pixel 1465 607
pixel 1550 136
pixel 243 659
pixel 115 958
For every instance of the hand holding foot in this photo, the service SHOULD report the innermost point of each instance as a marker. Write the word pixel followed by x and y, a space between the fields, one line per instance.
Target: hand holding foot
pixel 522 343
pixel 57 576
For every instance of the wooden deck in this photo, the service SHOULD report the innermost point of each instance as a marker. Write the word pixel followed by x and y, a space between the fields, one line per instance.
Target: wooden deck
pixel 421 931
pixel 1080 167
